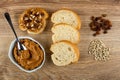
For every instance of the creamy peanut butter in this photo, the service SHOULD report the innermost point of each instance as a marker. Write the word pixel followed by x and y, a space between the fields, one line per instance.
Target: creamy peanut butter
pixel 30 58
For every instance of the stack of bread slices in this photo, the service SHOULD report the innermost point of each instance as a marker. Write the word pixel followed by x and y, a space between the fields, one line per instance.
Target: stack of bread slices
pixel 65 37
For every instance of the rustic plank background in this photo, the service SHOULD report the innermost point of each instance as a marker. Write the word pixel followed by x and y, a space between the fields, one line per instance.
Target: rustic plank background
pixel 86 68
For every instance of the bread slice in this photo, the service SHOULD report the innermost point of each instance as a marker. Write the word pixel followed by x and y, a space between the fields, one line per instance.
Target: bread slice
pixel 64 53
pixel 65 32
pixel 33 20
pixel 66 16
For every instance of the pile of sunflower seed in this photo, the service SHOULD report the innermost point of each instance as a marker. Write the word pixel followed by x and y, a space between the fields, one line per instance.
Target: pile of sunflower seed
pixel 98 49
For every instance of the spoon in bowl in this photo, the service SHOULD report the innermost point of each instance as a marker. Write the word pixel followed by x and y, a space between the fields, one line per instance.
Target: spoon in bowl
pixel 20 45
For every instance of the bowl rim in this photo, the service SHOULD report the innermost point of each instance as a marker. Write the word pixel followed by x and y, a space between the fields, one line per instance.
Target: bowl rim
pixel 10 55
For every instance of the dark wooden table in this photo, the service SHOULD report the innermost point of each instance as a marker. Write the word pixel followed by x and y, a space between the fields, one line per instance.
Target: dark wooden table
pixel 87 68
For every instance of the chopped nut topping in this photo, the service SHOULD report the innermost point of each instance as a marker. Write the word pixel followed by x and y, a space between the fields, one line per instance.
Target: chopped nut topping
pixel 25 18
pixel 39 27
pixel 36 18
pixel 27 24
pixel 41 24
pixel 32 25
pixel 40 16
pixel 32 28
pixel 32 16
pixel 38 13
pixel 32 19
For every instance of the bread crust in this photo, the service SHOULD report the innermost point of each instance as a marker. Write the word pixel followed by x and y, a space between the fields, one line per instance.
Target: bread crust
pixel 65 26
pixel 23 28
pixel 75 14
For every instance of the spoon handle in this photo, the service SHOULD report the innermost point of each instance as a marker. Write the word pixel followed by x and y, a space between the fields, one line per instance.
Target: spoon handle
pixel 7 16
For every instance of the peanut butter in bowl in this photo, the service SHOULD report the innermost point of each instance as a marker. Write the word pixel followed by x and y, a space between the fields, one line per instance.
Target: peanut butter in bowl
pixel 28 60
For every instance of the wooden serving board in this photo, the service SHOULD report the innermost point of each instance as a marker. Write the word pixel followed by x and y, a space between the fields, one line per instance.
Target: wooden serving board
pixel 87 68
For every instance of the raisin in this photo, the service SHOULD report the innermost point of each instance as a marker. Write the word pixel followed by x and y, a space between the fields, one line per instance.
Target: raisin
pixel 99 23
pixel 104 15
pixel 92 18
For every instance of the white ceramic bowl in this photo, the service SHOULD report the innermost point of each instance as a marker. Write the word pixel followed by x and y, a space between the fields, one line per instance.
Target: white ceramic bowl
pixel 10 54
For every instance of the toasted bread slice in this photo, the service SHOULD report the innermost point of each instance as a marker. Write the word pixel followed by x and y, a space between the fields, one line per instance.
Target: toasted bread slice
pixel 65 32
pixel 64 53
pixel 33 20
pixel 66 16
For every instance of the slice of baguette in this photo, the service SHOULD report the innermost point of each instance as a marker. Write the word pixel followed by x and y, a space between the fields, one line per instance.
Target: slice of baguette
pixel 65 32
pixel 66 16
pixel 64 53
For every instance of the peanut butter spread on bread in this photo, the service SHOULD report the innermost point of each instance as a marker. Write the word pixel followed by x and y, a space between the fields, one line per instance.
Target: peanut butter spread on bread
pixel 30 58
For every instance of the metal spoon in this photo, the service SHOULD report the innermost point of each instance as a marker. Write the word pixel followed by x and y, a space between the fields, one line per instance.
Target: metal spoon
pixel 20 45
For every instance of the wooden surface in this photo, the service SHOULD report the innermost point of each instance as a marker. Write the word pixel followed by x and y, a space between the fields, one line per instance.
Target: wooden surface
pixel 86 68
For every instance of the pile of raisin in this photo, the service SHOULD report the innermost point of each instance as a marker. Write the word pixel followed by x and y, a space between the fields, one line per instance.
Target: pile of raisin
pixel 100 23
